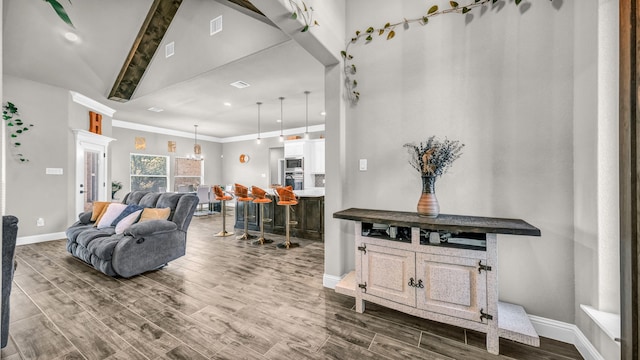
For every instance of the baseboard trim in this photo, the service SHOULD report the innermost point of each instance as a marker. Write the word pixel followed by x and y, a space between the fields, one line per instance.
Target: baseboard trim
pixel 565 332
pixel 24 240
pixel 330 281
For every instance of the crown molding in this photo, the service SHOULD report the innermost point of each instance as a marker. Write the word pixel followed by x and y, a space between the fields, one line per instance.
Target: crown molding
pixel 91 104
pixel 231 139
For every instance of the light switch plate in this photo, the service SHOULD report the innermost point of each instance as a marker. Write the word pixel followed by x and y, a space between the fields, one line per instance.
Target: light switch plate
pixel 54 171
pixel 363 164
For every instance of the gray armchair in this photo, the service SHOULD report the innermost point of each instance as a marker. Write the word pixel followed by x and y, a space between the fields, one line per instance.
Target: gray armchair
pixel 9 236
pixel 143 246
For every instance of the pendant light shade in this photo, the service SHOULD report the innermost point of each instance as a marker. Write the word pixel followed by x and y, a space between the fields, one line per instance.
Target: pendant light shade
pixel 306 132
pixel 281 120
pixel 197 150
pixel 258 140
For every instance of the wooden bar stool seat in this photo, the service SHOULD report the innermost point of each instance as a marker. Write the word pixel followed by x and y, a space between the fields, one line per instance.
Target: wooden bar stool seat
pixel 223 198
pixel 287 198
pixel 242 195
pixel 259 197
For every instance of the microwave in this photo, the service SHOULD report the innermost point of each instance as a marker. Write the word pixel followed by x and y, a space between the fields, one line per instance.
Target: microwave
pixel 294 164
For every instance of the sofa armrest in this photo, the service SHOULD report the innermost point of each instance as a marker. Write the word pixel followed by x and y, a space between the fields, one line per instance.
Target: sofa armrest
pixel 150 227
pixel 85 217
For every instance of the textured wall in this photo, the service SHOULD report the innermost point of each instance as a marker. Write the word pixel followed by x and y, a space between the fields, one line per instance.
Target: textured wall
pixel 502 84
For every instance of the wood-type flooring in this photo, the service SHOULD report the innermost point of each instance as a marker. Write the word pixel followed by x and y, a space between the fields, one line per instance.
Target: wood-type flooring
pixel 226 299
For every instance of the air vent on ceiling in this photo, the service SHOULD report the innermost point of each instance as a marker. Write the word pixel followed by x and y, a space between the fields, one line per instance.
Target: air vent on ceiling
pixel 215 26
pixel 240 84
pixel 169 50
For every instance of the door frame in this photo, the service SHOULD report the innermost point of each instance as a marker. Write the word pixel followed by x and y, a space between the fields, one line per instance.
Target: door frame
pixel 629 184
pixel 88 140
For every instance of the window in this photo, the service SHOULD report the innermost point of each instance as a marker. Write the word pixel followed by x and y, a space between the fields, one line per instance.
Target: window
pixel 188 174
pixel 149 172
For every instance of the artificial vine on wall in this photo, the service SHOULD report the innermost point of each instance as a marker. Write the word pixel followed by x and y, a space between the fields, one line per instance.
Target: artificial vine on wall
pixel 303 12
pixel 16 128
pixel 388 29
pixel 350 69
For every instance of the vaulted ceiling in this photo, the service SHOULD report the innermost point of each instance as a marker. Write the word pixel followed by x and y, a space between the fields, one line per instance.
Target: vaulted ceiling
pixel 192 86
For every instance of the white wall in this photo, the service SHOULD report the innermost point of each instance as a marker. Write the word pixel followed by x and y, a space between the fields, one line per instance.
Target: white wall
pixel 502 84
pixel 156 144
pixel 45 145
pixel 250 173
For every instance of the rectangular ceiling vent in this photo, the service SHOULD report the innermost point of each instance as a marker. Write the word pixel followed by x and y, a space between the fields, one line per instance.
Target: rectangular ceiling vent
pixel 240 84
pixel 215 26
pixel 169 50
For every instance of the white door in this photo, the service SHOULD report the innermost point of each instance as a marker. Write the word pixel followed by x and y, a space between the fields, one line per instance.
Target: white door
pixel 91 169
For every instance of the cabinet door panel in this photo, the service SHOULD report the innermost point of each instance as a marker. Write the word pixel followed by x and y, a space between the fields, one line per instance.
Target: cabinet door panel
pixel 387 272
pixel 452 286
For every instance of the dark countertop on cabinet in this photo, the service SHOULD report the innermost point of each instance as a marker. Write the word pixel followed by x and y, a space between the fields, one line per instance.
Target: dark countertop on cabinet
pixel 444 222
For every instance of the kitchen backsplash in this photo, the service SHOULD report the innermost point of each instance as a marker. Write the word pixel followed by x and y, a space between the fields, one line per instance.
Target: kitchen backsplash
pixel 319 180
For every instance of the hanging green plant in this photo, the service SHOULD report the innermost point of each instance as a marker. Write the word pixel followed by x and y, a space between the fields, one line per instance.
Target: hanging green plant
pixel 388 29
pixel 304 12
pixel 62 13
pixel 15 126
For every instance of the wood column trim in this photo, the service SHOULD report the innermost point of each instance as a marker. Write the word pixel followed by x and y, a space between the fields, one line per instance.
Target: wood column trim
pixel 629 185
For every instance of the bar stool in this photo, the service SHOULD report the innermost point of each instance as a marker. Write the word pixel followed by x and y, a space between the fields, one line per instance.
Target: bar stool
pixel 287 198
pixel 260 199
pixel 242 195
pixel 220 196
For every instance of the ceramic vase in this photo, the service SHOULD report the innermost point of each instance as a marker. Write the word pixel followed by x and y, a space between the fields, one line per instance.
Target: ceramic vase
pixel 428 204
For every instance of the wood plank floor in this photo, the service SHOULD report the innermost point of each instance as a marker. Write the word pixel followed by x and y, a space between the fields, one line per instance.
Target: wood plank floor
pixel 226 299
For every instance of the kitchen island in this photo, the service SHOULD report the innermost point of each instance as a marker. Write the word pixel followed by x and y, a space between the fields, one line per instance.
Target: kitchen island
pixel 309 214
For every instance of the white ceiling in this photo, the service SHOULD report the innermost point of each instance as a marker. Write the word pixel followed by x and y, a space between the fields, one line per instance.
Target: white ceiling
pixel 191 86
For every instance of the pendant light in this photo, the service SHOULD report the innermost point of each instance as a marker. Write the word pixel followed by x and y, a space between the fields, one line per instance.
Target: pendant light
pixel 306 132
pixel 281 120
pixel 258 140
pixel 197 150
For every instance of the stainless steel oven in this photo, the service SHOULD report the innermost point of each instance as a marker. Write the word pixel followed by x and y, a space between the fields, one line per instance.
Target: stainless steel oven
pixel 295 180
pixel 295 164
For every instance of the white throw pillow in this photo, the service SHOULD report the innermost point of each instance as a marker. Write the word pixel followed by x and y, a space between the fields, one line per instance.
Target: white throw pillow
pixel 129 220
pixel 112 212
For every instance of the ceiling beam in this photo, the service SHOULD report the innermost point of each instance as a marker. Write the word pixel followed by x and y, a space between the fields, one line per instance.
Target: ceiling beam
pixel 144 47
pixel 247 8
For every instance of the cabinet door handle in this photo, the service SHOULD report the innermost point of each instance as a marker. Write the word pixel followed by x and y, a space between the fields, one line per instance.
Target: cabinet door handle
pixel 420 285
pixel 411 283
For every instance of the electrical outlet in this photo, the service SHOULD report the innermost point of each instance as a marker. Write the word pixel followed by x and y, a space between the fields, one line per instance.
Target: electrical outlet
pixel 40 222
pixel 363 164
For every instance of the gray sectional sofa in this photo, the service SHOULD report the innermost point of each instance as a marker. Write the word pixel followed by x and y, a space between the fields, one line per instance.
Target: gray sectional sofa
pixel 143 246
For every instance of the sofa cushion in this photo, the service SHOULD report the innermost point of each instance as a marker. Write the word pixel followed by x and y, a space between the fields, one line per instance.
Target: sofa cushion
pixel 130 209
pixel 98 208
pixel 73 232
pixel 113 211
pixel 127 221
pixel 169 200
pixel 87 236
pixel 149 200
pixel 154 214
pixel 134 197
pixel 103 247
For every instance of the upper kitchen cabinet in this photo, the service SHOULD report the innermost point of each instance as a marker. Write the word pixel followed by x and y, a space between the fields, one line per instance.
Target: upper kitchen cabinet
pixel 317 156
pixel 295 148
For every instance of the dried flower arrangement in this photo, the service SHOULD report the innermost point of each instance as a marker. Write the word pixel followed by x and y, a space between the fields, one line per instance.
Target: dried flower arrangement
pixel 434 157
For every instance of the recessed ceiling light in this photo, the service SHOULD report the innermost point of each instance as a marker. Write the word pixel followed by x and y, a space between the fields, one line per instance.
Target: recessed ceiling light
pixel 323 113
pixel 240 84
pixel 227 104
pixel 73 37
pixel 279 120
pixel 155 109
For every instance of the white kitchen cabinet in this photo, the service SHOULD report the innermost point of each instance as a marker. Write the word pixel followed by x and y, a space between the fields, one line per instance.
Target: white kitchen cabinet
pixel 294 148
pixel 317 164
pixel 442 269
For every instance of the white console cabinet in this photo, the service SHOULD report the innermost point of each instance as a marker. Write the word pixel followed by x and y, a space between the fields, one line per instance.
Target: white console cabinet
pixel 442 269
